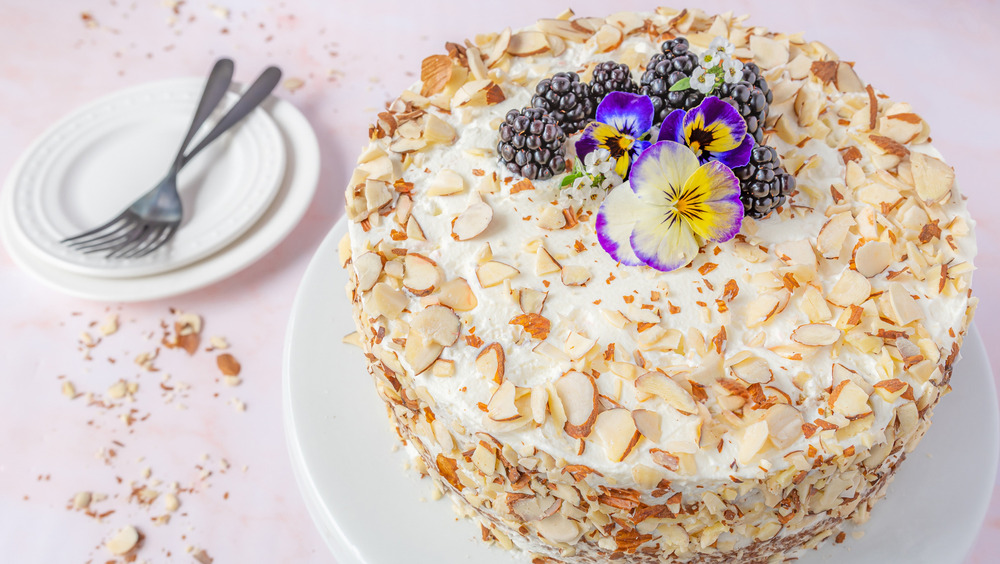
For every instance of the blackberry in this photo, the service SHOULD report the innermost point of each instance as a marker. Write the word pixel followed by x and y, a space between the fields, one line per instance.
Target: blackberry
pixel 764 185
pixel 663 71
pixel 751 97
pixel 567 99
pixel 609 77
pixel 532 144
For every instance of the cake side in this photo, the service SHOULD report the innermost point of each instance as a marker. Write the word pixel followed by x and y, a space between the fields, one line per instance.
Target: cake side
pixel 748 402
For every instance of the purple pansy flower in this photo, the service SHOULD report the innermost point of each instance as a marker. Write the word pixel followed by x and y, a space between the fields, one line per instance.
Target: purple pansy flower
pixel 714 130
pixel 621 120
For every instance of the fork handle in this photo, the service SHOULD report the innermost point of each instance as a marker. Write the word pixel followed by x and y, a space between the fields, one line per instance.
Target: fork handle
pixel 215 90
pixel 257 93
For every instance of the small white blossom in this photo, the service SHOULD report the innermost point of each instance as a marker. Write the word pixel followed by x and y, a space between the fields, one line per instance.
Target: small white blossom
pixel 732 70
pixel 709 59
pixel 702 81
pixel 722 46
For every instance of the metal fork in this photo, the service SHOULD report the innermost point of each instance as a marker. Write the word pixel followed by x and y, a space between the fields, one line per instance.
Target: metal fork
pixel 152 220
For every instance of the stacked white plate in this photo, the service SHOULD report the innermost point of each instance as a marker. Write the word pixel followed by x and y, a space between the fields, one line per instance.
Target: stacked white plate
pixel 241 195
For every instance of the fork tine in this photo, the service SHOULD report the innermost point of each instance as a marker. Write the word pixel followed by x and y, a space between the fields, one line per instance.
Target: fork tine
pixel 135 238
pixel 120 228
pixel 167 235
pixel 98 229
pixel 107 243
pixel 146 241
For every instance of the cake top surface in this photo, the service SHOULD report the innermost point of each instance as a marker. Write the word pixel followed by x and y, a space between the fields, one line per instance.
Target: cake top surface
pixel 797 338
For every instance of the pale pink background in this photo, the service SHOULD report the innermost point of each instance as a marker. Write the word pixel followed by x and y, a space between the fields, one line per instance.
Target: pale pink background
pixel 353 56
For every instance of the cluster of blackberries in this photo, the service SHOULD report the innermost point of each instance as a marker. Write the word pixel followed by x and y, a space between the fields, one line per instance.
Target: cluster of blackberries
pixel 532 139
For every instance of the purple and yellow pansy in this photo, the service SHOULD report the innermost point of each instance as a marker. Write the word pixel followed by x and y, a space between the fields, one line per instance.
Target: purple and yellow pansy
pixel 623 121
pixel 713 130
pixel 670 206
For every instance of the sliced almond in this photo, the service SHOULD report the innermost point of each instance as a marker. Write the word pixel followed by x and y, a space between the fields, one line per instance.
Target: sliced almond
pixel 421 354
pixel 616 431
pixel 386 300
pixel 607 38
pixel 491 362
pixel 890 390
pixel 377 194
pixel 502 406
pixel 526 43
pixel 445 183
pixel 816 334
pixel 658 384
pixel 473 221
pixel 754 437
pixel 564 29
pixel 764 307
pixel 413 230
pixel 437 324
pixel 932 177
pixel 784 424
pixel 575 275
pixel 483 92
pixel 767 52
pixel 851 289
pixel 848 399
pixel 531 300
pixel 830 240
pixel 368 267
pixel 457 295
pixel 544 263
pixel 794 253
pixel 436 130
pixel 753 370
pixel 558 529
pixel 578 396
pixel 499 48
pixel 435 72
pixel 847 80
pixel 421 276
pixel 903 307
pixel 494 272
pixel 872 258
pixel 648 423
pixel 125 541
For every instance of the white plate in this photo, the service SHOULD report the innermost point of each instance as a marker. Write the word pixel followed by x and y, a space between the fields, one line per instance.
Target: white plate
pixel 96 161
pixel 294 194
pixel 368 507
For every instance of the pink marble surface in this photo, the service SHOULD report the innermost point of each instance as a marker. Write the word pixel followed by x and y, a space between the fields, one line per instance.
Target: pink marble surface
pixel 239 501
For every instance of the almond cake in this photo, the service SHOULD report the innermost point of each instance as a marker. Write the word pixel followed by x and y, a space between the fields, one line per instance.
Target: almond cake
pixel 658 287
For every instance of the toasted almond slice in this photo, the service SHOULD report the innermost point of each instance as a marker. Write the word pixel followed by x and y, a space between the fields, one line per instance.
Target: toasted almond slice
pixel 848 399
pixel 872 258
pixel 436 130
pixel 890 390
pixel 794 253
pixel 847 80
pixel 457 295
pixel 932 177
pixel 851 289
pixel 344 250
pixel 124 541
pixel 564 29
pixel 764 307
pixel 446 183
pixel 368 266
pixel 648 424
pixel 526 43
pixel 492 273
pixel 574 275
pixel 558 529
pixel 831 237
pixel 437 324
pixel 578 395
pixel 421 274
pixel 502 406
pixel 435 72
pixel 421 354
pixel 607 38
pixel 386 300
pixel 539 403
pixel 615 430
pixel 816 334
pixel 753 370
pixel 531 300
pixel 784 425
pixel 483 92
pixel 658 384
pixel 499 48
pixel 544 263
pixel 904 308
pixel 491 362
pixel 551 218
pixel 473 221
pixel 768 53
pixel 530 509
pixel 413 230
pixel 754 437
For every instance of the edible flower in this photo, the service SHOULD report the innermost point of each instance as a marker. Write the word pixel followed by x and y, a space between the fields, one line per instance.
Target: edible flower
pixel 713 129
pixel 732 71
pixel 622 120
pixel 702 80
pixel 669 207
